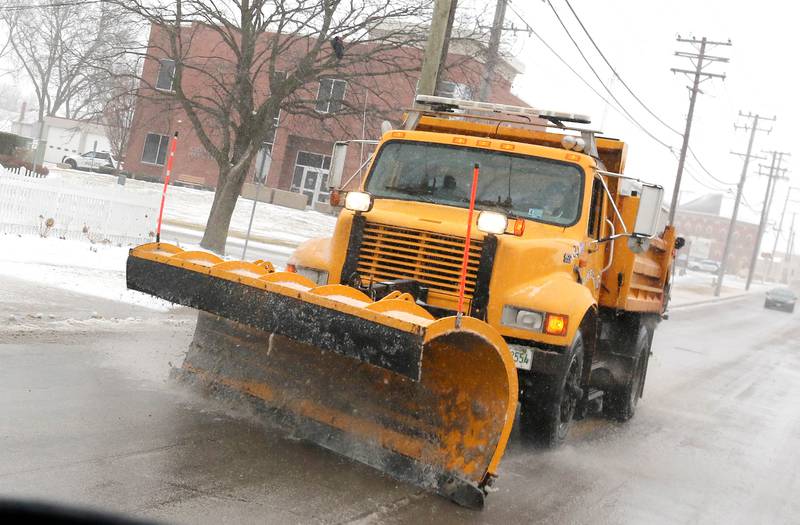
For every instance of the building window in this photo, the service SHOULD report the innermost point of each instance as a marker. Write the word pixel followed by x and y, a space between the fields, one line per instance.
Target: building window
pixel 155 149
pixel 330 95
pixel 454 90
pixel 311 176
pixel 166 74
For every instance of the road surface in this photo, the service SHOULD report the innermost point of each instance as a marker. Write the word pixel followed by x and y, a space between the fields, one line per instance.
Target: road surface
pixel 89 417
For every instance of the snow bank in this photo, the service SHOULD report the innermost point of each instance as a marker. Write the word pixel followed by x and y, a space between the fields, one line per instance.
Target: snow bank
pixel 189 208
pixel 90 269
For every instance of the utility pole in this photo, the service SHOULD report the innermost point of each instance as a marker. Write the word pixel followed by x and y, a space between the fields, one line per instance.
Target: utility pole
pixel 774 175
pixel 747 156
pixel 779 231
pixel 790 247
pixel 700 60
pixel 438 42
pixel 435 54
pixel 493 52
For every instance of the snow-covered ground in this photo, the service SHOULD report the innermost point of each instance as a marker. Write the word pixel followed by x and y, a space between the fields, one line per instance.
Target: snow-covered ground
pixel 697 287
pixel 189 208
pixel 98 269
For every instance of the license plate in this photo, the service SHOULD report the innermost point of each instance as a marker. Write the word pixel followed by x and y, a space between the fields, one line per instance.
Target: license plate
pixel 522 357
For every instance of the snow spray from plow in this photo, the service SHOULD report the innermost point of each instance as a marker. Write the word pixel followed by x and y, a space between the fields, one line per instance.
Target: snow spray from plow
pixel 381 382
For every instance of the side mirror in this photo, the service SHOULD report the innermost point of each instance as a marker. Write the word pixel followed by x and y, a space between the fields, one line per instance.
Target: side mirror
pixel 647 218
pixel 337 164
pixel 680 242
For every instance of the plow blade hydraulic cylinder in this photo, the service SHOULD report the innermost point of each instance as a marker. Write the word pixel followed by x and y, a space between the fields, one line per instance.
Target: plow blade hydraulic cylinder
pixel 380 382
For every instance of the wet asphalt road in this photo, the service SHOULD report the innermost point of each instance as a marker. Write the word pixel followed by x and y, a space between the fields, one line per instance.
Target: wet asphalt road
pixel 88 416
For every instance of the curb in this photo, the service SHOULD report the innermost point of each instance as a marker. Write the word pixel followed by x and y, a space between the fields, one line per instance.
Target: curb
pixel 712 301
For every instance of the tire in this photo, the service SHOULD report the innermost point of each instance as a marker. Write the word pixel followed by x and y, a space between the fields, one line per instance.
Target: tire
pixel 548 404
pixel 71 163
pixel 620 403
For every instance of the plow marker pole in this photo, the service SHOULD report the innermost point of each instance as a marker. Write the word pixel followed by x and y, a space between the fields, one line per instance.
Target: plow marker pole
pixel 462 280
pixel 166 183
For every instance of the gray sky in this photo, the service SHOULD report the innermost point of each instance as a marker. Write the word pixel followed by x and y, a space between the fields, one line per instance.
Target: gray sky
pixel 638 38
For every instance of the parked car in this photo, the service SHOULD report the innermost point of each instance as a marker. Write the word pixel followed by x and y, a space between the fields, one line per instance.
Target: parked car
pixel 704 265
pixel 780 299
pixel 93 160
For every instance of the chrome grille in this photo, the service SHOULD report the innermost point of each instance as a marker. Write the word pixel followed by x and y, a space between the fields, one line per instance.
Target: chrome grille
pixel 432 259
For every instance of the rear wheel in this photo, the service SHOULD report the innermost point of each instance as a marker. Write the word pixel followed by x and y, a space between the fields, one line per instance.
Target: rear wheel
pixel 548 403
pixel 620 402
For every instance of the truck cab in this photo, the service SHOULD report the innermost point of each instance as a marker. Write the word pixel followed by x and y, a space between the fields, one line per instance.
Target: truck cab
pixel 567 259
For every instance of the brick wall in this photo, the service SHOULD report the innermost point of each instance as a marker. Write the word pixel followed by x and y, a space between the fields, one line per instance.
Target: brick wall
pixel 385 100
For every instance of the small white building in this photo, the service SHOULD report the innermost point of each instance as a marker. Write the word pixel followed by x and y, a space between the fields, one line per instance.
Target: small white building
pixel 63 136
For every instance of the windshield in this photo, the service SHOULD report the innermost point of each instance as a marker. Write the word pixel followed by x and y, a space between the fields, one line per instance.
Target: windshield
pixel 530 187
pixel 782 292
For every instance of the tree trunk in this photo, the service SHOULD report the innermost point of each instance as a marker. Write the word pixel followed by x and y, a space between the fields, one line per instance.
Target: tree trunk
pixel 219 220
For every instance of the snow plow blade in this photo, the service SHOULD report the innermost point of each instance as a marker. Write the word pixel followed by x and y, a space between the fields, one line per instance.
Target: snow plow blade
pixel 381 382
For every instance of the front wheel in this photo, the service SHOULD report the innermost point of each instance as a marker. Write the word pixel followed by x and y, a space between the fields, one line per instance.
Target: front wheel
pixel 620 402
pixel 548 404
pixel 71 163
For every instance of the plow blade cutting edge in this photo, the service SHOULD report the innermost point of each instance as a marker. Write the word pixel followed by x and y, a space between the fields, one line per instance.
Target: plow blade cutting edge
pixel 381 382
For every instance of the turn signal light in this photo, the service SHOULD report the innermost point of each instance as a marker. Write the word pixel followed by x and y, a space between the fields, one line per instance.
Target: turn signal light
pixel 335 198
pixel 519 227
pixel 291 268
pixel 555 324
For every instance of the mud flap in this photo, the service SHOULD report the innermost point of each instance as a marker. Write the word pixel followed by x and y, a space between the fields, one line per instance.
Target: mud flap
pixel 380 382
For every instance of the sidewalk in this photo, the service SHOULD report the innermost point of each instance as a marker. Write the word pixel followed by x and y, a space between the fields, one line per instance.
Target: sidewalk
pixel 696 288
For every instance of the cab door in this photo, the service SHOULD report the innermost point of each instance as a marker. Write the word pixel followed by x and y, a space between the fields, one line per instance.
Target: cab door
pixel 594 259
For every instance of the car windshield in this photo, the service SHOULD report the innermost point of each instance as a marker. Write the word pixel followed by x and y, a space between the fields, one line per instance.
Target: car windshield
pixel 530 187
pixel 782 292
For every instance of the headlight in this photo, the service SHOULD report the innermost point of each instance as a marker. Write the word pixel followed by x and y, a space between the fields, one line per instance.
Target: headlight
pixel 358 201
pixel 492 222
pixel 318 276
pixel 525 319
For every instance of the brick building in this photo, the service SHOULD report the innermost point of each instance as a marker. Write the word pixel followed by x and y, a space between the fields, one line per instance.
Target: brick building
pixel 300 149
pixel 705 230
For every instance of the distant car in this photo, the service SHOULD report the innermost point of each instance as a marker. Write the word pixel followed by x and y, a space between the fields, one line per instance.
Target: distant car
pixel 704 265
pixel 93 160
pixel 781 299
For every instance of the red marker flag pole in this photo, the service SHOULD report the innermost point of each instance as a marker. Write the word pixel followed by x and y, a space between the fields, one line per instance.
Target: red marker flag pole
pixel 166 183
pixel 462 281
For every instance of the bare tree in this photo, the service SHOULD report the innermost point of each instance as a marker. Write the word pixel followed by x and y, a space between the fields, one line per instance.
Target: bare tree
pixel 59 45
pixel 237 64
pixel 118 113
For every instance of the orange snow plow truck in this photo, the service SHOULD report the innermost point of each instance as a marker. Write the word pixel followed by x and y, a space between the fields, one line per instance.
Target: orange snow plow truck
pixel 360 345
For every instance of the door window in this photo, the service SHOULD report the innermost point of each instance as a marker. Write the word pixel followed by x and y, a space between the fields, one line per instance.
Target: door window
pixel 311 176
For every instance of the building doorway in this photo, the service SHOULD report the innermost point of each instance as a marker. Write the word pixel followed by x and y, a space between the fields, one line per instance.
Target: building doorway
pixel 311 176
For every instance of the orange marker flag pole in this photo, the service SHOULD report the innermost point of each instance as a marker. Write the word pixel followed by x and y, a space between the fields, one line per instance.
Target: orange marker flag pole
pixel 462 280
pixel 170 159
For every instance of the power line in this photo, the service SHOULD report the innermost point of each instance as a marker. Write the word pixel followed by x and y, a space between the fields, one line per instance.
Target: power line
pixel 600 79
pixel 613 70
pixel 637 98
pixel 700 164
pixel 604 99
pixel 562 60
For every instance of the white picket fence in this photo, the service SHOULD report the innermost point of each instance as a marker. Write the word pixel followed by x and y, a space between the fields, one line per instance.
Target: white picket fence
pixel 27 204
